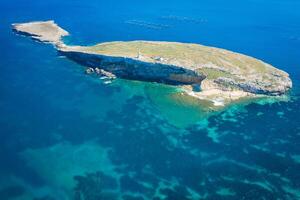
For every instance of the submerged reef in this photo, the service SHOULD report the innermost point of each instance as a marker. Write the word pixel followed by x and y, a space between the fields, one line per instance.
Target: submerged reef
pixel 139 159
pixel 218 75
pixel 92 186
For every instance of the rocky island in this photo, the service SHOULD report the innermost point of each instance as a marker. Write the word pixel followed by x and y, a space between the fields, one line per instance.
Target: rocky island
pixel 204 72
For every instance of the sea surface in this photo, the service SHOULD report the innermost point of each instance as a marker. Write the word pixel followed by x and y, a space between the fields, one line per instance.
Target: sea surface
pixel 66 135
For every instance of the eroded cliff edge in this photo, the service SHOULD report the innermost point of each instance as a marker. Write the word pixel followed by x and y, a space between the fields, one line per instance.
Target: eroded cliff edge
pixel 204 72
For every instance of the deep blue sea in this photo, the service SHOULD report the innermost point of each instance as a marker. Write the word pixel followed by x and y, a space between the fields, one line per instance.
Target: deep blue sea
pixel 65 135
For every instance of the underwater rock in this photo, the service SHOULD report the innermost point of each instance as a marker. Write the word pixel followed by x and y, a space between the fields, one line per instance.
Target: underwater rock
pixel 12 192
pixel 92 187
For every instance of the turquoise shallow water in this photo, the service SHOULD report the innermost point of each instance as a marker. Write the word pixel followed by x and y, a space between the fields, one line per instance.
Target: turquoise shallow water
pixel 66 135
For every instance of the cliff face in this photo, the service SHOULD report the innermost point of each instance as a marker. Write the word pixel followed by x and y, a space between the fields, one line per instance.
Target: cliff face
pixel 137 70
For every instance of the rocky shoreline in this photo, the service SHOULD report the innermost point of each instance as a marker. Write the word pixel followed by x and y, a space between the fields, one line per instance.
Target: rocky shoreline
pixel 221 75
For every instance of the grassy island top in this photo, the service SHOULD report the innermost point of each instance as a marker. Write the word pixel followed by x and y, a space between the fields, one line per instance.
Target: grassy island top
pixel 192 56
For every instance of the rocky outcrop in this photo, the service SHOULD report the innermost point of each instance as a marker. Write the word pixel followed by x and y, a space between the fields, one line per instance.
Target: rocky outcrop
pixel 283 84
pixel 43 31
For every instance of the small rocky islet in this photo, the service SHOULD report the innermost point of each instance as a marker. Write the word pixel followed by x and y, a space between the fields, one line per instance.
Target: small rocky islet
pixel 208 73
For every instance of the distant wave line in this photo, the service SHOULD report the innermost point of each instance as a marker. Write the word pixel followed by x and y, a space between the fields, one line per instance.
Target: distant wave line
pixel 147 24
pixel 184 19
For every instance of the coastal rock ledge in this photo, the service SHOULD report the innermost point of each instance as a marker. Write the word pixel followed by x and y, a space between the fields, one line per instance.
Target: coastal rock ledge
pixel 220 74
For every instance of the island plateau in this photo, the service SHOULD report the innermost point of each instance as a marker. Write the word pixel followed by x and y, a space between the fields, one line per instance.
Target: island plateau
pixel 209 73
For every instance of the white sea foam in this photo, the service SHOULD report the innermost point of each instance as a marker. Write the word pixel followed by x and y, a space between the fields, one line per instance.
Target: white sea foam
pixel 218 102
pixel 107 82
